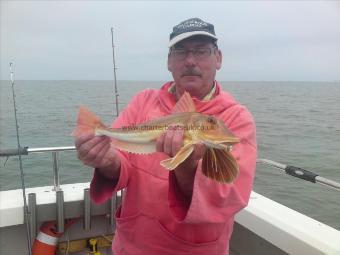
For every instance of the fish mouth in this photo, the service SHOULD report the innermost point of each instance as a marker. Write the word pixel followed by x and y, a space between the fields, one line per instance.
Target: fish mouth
pixel 218 145
pixel 227 147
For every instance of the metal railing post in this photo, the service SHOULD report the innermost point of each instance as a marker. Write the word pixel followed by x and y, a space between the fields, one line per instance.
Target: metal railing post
pixel 112 210
pixel 60 211
pixel 87 210
pixel 55 170
pixel 32 210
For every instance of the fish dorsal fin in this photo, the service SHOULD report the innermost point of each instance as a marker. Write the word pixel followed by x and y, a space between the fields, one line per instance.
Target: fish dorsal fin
pixel 184 104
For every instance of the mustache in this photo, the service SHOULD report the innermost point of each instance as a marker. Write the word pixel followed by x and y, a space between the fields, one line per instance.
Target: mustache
pixel 191 72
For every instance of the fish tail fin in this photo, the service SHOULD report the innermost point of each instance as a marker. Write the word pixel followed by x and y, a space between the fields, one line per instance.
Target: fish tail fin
pixel 219 165
pixel 86 122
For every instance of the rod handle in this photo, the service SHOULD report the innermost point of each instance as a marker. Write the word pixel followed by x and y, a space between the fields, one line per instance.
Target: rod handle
pixel 14 152
pixel 301 173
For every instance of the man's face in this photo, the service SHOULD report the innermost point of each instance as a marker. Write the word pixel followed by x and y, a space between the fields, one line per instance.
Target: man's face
pixel 193 63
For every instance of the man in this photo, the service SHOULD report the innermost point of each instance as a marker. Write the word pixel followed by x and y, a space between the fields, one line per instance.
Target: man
pixel 181 211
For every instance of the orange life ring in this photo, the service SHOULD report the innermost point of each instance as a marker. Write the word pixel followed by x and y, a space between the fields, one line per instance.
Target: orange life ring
pixel 46 241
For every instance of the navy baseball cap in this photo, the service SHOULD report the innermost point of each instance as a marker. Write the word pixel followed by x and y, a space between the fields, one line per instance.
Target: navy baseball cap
pixel 191 27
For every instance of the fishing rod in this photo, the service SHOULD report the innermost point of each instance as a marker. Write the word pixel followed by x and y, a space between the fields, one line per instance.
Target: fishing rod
pixel 114 72
pixel 301 173
pixel 22 176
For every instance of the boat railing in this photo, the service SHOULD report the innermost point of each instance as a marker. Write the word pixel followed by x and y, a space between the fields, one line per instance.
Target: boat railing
pixel 60 213
pixel 288 169
pixel 55 157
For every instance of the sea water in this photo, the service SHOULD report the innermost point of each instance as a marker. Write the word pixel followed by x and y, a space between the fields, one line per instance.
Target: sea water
pixel 298 123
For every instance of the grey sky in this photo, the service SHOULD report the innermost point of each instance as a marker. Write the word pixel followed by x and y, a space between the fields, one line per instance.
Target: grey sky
pixel 260 40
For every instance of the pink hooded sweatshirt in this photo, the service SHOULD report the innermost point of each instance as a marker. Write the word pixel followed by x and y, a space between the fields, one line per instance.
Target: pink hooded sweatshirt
pixel 154 219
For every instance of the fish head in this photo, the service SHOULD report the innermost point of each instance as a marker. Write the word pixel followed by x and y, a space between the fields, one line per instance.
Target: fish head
pixel 214 133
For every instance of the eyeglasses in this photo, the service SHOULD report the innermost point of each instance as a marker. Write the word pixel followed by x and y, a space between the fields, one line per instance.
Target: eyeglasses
pixel 198 53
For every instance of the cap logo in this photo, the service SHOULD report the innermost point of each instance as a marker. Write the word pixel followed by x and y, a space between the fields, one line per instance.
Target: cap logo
pixel 192 23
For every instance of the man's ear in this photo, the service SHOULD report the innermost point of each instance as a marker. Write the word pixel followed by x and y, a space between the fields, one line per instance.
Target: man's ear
pixel 169 63
pixel 219 59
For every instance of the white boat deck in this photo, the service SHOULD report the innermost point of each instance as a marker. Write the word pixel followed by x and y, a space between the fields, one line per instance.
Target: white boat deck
pixel 263 227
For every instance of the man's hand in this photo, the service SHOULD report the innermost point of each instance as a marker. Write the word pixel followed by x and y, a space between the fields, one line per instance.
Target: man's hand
pixel 97 152
pixel 170 143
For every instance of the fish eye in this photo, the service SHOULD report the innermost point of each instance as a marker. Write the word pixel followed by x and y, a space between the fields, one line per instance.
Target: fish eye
pixel 211 120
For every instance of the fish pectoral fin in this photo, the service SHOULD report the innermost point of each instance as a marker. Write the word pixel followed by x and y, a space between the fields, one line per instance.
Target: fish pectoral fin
pixel 182 154
pixel 138 148
pixel 220 165
pixel 184 104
